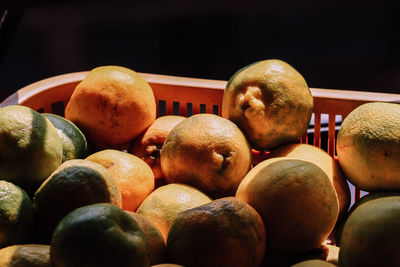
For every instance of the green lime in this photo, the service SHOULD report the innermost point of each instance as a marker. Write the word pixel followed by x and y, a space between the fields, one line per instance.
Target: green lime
pixel 73 140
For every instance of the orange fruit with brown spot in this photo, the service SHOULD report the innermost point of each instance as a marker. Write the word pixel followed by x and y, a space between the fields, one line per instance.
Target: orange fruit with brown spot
pixel 208 152
pixel 225 232
pixel 296 201
pixel 147 145
pixel 323 160
pixel 112 105
pixel 133 176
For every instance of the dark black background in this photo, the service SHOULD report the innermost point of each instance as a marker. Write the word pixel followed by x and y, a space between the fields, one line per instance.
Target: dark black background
pixel 349 45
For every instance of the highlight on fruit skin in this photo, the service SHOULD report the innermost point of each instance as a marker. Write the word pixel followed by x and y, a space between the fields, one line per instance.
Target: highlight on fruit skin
pixel 16 215
pixel 323 160
pixel 208 152
pixel 368 146
pixel 270 102
pixel 163 205
pixel 296 201
pixel 134 177
pixel 73 140
pixel 30 148
pixel 112 105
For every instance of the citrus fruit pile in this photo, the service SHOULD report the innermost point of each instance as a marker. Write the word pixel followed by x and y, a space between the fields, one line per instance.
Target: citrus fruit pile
pixel 110 184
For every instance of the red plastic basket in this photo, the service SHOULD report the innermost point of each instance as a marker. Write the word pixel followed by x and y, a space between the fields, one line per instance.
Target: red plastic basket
pixel 187 96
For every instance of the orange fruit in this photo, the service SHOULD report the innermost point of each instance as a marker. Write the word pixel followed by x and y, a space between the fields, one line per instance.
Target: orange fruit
pixel 30 148
pixel 25 255
pixel 99 235
pixel 75 183
pixel 323 160
pixel 16 215
pixel 103 104
pixel 224 232
pixel 133 176
pixel 163 205
pixel 368 147
pixel 270 102
pixel 297 202
pixel 147 145
pixel 157 246
pixel 370 235
pixel 208 152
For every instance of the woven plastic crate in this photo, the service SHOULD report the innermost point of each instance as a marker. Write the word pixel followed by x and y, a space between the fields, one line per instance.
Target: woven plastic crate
pixel 188 96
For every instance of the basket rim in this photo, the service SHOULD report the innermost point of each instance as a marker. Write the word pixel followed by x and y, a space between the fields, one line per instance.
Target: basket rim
pixel 31 89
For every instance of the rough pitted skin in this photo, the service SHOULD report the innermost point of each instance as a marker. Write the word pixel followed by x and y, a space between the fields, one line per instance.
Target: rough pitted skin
pixel 30 148
pixel 270 101
pixel 368 146
pixel 208 152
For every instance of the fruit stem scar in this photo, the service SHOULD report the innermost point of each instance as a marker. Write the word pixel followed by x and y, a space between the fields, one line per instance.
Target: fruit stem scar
pixel 251 102
pixel 222 160
pixel 154 151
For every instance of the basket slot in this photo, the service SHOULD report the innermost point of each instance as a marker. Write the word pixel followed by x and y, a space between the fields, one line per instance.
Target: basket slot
pixel 215 110
pixel 189 109
pixel 203 108
pixel 175 108
pixel 161 108
pixel 58 108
